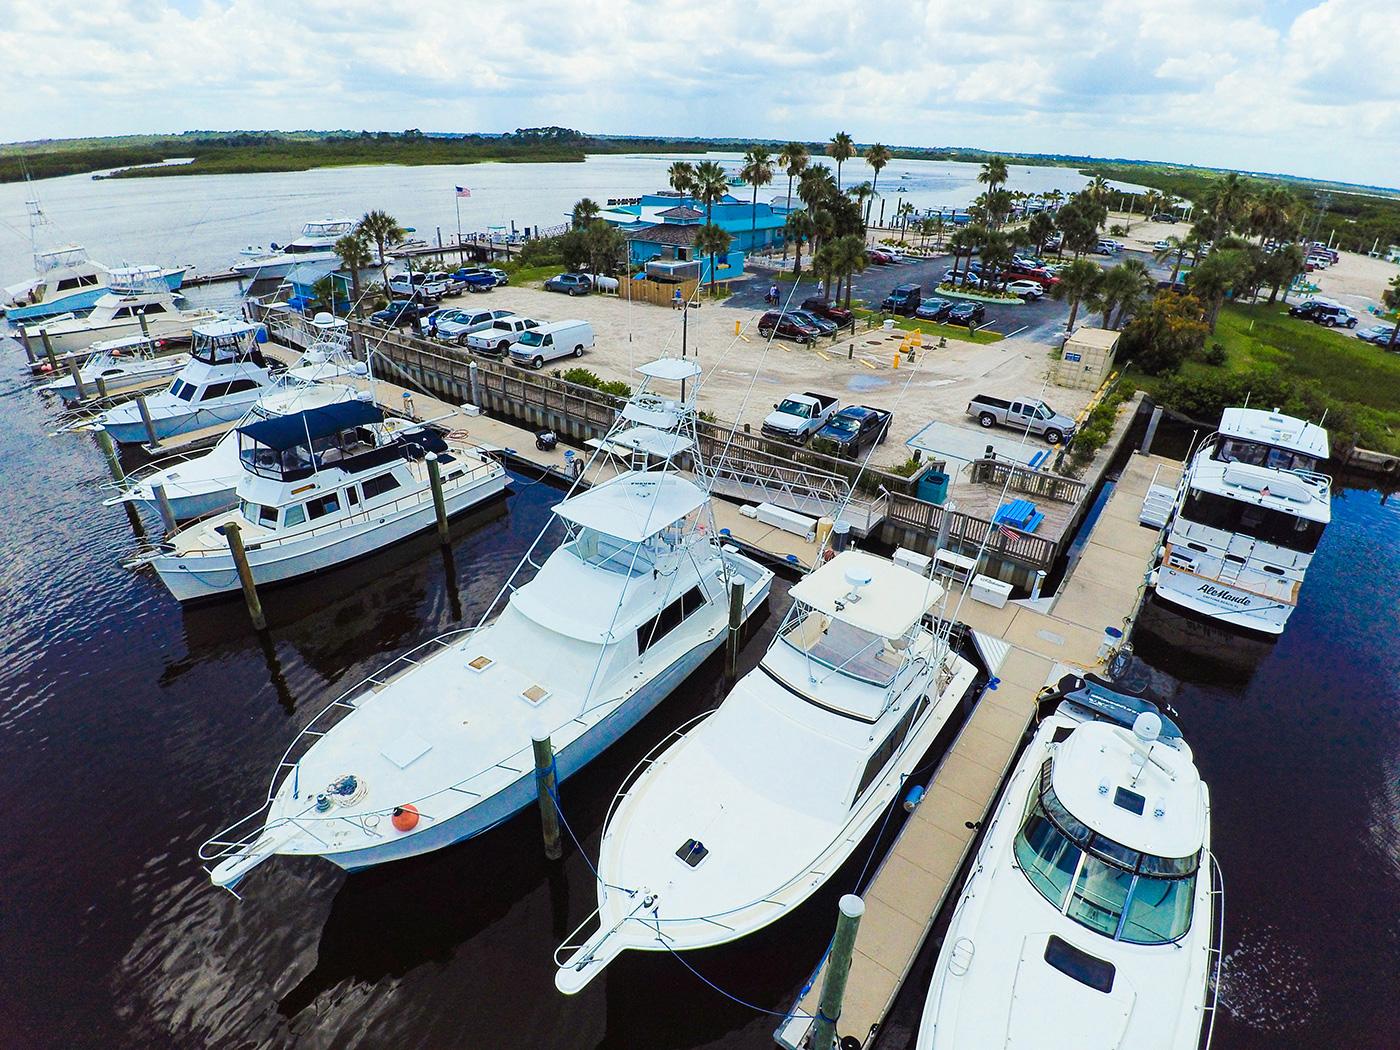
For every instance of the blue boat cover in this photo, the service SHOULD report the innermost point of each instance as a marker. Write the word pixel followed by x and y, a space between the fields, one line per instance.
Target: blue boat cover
pixel 284 432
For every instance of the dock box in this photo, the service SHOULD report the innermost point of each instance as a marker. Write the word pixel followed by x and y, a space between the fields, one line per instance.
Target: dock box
pixel 787 520
pixel 991 592
pixel 912 560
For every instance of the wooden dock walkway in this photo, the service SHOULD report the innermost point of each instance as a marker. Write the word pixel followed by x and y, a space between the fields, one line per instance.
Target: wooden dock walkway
pixel 919 872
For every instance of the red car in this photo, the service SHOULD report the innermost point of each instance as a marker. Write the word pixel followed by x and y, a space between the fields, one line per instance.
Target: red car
pixel 1044 278
pixel 837 315
pixel 786 327
pixel 882 256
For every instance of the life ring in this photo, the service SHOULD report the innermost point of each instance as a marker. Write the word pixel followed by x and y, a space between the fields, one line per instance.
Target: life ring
pixel 405 817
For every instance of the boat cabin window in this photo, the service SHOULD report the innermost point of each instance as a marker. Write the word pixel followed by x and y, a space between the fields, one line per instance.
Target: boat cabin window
pixel 224 350
pixel 184 391
pixel 121 311
pixel 1215 511
pixel 1255 453
pixel 152 308
pixel 214 390
pixel 320 507
pixel 287 464
pixel 671 617
pixel 608 552
pixel 886 751
pixel 1116 891
pixel 352 496
pixel 378 485
pixel 294 515
pixel 258 514
pixel 844 648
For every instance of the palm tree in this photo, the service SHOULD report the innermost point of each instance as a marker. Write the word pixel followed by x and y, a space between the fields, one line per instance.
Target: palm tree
pixel 850 258
pixel 381 229
pixel 823 226
pixel 993 173
pixel 1226 202
pixel 1215 278
pixel 1078 281
pixel 863 193
pixel 997 204
pixel 682 177
pixel 841 148
pixel 1039 229
pixel 877 156
pixel 757 171
pixel 1176 247
pixel 1151 203
pixel 712 241
pixel 354 253
pixel 793 159
pixel 1390 298
pixel 1122 289
pixel 585 211
pixel 996 254
pixel 797 229
pixel 710 185
pixel 960 242
pixel 815 186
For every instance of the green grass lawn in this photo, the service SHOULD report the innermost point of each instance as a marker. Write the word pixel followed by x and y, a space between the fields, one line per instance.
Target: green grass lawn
pixel 952 331
pixel 531 276
pixel 1363 377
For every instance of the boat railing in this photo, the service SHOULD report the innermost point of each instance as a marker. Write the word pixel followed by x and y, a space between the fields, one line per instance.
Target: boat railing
pixel 648 760
pixel 1216 951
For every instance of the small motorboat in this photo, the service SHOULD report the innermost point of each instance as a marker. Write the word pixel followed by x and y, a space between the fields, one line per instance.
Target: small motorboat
pixel 117 366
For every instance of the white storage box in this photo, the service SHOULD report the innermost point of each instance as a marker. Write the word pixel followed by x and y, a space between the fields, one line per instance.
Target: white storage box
pixel 787 520
pixel 990 592
pixel 912 560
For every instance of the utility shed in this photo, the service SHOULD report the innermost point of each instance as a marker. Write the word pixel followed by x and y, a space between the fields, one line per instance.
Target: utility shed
pixel 1087 358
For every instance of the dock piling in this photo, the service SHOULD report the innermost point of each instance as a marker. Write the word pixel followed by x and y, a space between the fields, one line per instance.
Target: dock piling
pixel 838 967
pixel 736 625
pixel 471 384
pixel 28 346
pixel 77 376
pixel 48 351
pixel 439 500
pixel 101 388
pixel 547 786
pixel 1146 447
pixel 109 453
pixel 167 513
pixel 245 574
pixel 145 328
pixel 146 418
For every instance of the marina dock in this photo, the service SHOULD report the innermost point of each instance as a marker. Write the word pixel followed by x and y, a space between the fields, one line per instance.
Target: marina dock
pixel 1032 647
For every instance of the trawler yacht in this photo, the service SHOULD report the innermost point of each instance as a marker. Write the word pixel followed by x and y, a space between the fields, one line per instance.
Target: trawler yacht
pixel 119 365
pixel 316 244
pixel 1091 917
pixel 322 487
pixel 1250 511
pixel 137 303
pixel 747 813
pixel 437 747
pixel 226 373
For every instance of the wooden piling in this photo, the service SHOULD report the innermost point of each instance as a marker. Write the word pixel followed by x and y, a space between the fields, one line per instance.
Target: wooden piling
pixel 28 346
pixel 736 626
pixel 838 967
pixel 167 512
pixel 48 351
pixel 109 453
pixel 145 328
pixel 245 574
pixel 439 500
pixel 76 374
pixel 146 418
pixel 547 787
pixel 101 388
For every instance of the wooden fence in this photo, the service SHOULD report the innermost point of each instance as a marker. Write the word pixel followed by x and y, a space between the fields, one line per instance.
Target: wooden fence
pixel 657 293
pixel 968 532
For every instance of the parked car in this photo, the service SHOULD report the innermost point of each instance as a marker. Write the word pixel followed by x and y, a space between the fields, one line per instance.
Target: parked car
pixel 570 284
pixel 807 317
pixel 798 416
pixel 785 326
pixel 856 428
pixel 551 341
pixel 1108 248
pixel 401 313
pixel 1380 334
pixel 429 322
pixel 967 313
pixel 1025 288
pixel 504 331
pixel 880 256
pixel 933 309
pixel 1160 246
pixel 425 287
pixel 1039 275
pixel 456 325
pixel 905 299
pixel 1163 216
pixel 1329 315
pixel 826 308
pixel 1022 414
pixel 474 279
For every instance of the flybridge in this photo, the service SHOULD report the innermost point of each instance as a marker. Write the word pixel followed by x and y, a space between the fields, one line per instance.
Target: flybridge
pixel 1274 428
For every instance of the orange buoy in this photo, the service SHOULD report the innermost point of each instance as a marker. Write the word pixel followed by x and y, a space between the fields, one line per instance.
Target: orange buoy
pixel 405 817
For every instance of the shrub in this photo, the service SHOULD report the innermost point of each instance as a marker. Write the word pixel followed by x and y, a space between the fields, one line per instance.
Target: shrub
pixel 1118 230
pixel 1215 355
pixel 591 379
pixel 1170 329
pixel 908 468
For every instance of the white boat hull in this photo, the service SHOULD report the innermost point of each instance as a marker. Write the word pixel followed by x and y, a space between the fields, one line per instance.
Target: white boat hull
pixel 1221 602
pixel 203 576
pixel 276 267
pixel 65 339
pixel 132 431
pixel 120 381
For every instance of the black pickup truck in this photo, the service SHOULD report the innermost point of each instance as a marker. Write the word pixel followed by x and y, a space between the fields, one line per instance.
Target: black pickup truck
pixel 857 428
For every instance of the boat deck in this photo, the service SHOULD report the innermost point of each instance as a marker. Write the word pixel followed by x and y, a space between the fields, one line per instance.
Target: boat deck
pixel 1060 635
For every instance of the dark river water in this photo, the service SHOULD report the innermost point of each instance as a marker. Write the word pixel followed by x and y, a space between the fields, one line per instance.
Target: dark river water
pixel 130 730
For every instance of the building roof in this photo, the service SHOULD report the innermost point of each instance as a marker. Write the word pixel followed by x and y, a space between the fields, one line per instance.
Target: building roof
pixel 666 233
pixel 681 211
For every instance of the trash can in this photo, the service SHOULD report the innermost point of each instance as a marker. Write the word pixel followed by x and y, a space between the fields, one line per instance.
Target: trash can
pixel 933 487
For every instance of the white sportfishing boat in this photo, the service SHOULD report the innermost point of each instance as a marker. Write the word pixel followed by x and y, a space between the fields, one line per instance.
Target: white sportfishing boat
pixel 120 365
pixel 1250 511
pixel 137 303
pixel 438 747
pixel 206 482
pixel 316 244
pixel 225 375
pixel 727 829
pixel 1092 914
pixel 323 487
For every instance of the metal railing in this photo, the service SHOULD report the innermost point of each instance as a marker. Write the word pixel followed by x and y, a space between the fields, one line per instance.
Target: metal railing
pixel 968 530
pixel 1216 950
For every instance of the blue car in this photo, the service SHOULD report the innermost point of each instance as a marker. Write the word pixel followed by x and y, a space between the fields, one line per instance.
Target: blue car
pixel 856 428
pixel 474 279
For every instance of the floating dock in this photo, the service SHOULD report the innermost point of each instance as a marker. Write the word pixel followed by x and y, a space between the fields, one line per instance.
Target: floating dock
pixel 1032 644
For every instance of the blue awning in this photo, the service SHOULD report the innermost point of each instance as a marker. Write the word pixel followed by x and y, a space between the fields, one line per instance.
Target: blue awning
pixel 284 432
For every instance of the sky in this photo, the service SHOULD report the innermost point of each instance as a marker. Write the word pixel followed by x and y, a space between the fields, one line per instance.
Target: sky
pixel 1303 87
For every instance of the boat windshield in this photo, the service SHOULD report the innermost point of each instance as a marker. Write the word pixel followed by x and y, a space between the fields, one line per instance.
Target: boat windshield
pixel 610 553
pixel 1215 511
pixel 844 648
pixel 1115 891
pixel 1255 453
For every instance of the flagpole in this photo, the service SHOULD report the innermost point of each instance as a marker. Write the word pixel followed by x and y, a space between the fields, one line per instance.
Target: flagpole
pixel 457 200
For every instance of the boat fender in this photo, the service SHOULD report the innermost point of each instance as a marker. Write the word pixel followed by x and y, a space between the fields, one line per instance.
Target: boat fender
pixel 915 796
pixel 405 817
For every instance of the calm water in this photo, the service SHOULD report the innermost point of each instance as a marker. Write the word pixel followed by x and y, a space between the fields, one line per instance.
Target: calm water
pixel 130 730
pixel 205 220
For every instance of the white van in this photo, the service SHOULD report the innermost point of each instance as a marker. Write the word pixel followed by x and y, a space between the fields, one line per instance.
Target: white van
pixel 550 341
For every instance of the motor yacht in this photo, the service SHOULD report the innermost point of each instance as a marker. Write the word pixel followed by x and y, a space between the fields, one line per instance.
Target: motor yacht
pixel 226 373
pixel 322 487
pixel 437 747
pixel 137 302
pixel 1092 913
pixel 742 816
pixel 120 365
pixel 316 244
pixel 1249 513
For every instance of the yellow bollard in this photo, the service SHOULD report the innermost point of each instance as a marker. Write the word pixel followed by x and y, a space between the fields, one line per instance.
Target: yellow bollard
pixel 896 360
pixel 916 337
pixel 736 327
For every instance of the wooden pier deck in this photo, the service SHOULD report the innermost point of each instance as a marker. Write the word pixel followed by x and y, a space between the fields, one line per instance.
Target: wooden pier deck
pixel 920 871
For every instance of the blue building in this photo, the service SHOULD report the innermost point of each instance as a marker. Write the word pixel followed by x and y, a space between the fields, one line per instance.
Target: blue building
pixel 663 226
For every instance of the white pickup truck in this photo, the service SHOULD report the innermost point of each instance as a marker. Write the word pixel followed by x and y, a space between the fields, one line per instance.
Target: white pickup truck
pixel 1022 414
pixel 798 416
pixel 424 287
pixel 497 339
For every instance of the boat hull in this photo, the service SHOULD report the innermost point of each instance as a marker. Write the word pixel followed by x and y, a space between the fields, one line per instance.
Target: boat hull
pixel 207 576
pixel 276 267
pixel 80 299
pixel 116 384
pixel 132 431
pixel 1221 602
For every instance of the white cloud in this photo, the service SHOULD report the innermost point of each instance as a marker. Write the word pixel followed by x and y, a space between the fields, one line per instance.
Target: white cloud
pixel 1226 82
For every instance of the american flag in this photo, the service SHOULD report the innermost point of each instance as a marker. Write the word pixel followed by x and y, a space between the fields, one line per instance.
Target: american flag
pixel 1008 532
pixel 462 191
